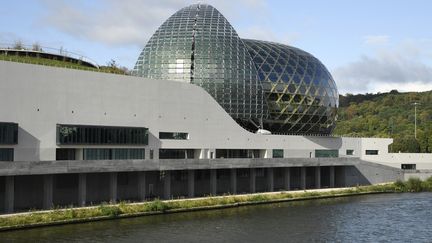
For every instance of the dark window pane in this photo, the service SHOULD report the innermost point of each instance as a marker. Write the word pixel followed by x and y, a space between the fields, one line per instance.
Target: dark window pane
pixel 6 154
pixel 79 134
pixel 8 133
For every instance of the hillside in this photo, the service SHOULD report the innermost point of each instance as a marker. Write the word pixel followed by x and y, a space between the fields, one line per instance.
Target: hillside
pixel 388 115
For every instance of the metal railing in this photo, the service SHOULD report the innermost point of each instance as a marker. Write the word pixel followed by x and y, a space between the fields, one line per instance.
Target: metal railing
pixel 48 50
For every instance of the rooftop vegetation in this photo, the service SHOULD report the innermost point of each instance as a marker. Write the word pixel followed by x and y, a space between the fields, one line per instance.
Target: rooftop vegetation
pixel 111 67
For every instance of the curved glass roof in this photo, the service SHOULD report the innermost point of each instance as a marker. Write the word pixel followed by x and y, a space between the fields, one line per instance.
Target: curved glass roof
pixel 198 45
pixel 300 92
pixel 260 84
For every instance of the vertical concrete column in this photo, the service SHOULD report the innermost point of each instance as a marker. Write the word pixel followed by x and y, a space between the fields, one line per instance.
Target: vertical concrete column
pixel 142 185
pixel 167 185
pixel 270 180
pixel 146 153
pixel 9 194
pixel 318 177
pixel 47 191
pixel 332 176
pixel 252 180
pixel 303 178
pixel 191 183
pixel 213 182
pixel 233 181
pixel 113 186
pixel 268 153
pixel 211 153
pixel 287 178
pixel 156 153
pixel 82 189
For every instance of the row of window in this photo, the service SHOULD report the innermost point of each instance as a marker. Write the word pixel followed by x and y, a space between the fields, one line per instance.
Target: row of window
pixel 113 154
pixel 79 134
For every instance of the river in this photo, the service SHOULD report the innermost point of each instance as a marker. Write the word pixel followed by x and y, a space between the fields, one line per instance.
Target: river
pixel 405 217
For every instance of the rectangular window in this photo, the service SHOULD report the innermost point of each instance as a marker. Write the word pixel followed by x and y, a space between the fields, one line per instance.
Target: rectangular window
pixel 176 153
pixel 278 153
pixel 349 152
pixel 237 153
pixel 408 166
pixel 323 153
pixel 371 152
pixel 99 135
pixel 174 135
pixel 6 154
pixel 8 133
pixel 65 154
pixel 114 154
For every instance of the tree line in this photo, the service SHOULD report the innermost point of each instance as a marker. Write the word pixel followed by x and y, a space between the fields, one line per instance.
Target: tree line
pixel 388 115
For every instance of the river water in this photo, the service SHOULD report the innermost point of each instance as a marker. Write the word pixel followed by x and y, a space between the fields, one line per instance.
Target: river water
pixel 403 217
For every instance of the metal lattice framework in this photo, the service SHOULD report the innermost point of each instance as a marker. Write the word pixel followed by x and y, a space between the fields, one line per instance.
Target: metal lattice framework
pixel 301 94
pixel 198 45
pixel 260 84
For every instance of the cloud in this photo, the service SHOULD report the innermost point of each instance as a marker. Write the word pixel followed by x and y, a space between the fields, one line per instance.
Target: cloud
pixel 376 39
pixel 109 22
pixel 262 33
pixel 401 68
pixel 128 22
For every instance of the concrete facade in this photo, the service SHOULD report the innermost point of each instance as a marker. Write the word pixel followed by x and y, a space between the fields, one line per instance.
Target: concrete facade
pixel 55 184
pixel 91 98
pixel 35 179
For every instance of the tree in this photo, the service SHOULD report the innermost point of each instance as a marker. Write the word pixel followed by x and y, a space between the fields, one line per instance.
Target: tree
pixel 18 45
pixel 36 47
pixel 112 63
pixel 407 144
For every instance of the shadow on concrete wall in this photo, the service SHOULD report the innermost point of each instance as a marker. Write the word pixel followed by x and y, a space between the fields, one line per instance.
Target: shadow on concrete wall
pixel 327 142
pixel 28 146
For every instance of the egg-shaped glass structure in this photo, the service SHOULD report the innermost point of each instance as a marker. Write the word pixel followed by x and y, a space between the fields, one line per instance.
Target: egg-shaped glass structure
pixel 199 46
pixel 262 85
pixel 300 92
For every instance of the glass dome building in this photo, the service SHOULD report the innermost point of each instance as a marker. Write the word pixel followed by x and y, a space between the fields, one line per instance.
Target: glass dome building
pixel 260 84
pixel 300 92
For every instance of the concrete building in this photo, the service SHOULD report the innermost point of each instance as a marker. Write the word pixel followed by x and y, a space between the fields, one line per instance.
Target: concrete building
pixel 70 137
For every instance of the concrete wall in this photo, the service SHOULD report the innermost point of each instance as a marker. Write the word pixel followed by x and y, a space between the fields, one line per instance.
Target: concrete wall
pixel 421 174
pixel 41 185
pixel 40 97
pixel 422 160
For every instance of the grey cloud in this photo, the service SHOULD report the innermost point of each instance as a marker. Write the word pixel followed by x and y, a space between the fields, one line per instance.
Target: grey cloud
pixel 400 67
pixel 129 22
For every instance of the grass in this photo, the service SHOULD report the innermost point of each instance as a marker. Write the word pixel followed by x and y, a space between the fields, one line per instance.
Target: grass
pixel 59 63
pixel 125 209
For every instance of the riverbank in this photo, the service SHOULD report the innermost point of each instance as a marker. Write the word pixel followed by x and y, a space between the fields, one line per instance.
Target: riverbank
pixel 125 209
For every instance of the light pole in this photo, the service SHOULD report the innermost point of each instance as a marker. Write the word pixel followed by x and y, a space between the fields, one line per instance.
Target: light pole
pixel 415 119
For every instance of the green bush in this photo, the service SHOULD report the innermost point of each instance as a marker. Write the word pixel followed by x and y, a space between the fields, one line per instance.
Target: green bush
pixel 157 206
pixel 400 186
pixel 414 185
pixel 107 210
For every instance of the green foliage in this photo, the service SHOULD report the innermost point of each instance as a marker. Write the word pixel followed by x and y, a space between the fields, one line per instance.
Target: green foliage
pixel 388 115
pixel 400 186
pixel 414 185
pixel 111 211
pixel 158 206
pixel 63 64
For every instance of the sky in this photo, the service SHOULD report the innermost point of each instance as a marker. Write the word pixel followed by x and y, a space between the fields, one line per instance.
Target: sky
pixel 367 45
